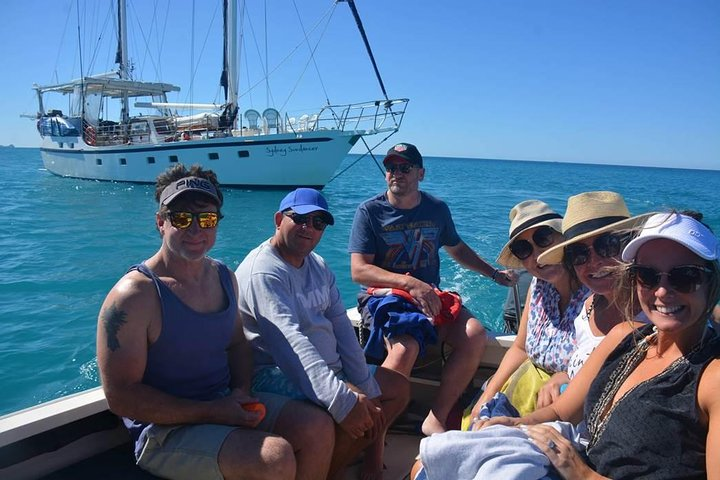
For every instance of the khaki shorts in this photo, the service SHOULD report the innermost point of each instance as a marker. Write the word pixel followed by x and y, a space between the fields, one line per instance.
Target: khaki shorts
pixel 191 451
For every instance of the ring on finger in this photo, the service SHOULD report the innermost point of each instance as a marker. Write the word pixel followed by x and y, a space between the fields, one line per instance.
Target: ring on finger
pixel 551 445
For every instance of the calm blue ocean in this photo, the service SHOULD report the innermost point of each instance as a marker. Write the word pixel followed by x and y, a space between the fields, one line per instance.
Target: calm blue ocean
pixel 65 242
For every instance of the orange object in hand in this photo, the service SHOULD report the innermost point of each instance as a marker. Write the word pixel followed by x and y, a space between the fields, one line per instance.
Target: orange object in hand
pixel 255 407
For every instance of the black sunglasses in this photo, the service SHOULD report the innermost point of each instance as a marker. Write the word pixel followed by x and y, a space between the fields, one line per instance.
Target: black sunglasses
pixel 542 237
pixel 683 278
pixel 607 245
pixel 318 222
pixel 403 167
pixel 183 220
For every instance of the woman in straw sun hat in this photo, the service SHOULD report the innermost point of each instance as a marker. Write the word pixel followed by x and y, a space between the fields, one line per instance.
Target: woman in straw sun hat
pixel 546 336
pixel 596 227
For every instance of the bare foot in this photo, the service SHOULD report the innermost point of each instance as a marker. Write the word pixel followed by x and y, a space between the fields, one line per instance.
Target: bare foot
pixel 432 425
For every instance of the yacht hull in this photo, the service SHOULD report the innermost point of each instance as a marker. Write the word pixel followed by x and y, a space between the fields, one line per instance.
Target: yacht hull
pixel 279 160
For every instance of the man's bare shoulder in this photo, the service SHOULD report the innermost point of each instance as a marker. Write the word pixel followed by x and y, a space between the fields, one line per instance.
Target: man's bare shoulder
pixel 134 292
pixel 128 311
pixel 133 286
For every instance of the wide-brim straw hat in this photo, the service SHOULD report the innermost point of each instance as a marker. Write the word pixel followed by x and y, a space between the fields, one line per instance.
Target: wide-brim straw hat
pixel 589 214
pixel 524 216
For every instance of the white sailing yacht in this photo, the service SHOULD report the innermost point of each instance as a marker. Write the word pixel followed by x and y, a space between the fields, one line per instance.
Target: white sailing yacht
pixel 245 148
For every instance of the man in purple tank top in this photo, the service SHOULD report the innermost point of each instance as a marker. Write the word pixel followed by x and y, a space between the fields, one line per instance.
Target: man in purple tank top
pixel 175 364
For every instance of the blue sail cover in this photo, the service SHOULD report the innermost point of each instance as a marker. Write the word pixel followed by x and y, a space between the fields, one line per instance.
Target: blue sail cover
pixel 58 127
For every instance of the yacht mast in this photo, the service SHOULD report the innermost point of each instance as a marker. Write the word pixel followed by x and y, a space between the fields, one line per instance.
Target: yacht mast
pixel 351 4
pixel 121 57
pixel 229 77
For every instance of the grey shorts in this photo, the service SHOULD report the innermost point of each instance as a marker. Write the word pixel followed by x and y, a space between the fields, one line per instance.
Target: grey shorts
pixel 191 451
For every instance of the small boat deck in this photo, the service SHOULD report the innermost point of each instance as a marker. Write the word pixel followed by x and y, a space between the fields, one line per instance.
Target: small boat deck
pixel 77 437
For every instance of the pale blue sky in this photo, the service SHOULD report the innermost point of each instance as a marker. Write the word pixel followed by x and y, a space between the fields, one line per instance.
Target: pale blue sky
pixel 614 81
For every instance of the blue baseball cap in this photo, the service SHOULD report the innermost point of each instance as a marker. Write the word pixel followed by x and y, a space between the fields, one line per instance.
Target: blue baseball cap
pixel 306 200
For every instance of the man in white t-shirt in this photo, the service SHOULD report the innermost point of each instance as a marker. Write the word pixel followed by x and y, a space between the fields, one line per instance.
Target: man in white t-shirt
pixel 303 343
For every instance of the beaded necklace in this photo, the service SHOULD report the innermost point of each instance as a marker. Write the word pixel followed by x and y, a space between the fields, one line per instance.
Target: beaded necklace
pixel 591 307
pixel 602 410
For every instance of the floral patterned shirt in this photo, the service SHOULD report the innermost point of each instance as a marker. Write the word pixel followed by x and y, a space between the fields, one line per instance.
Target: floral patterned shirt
pixel 550 340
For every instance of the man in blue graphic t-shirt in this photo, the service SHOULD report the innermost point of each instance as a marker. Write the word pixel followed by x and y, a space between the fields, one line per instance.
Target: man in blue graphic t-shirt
pixel 394 242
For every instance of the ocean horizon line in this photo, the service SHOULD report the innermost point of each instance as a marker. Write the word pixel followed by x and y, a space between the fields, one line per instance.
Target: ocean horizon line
pixel 552 162
pixel 563 162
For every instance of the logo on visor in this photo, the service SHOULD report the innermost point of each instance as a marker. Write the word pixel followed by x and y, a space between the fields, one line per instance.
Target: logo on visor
pixel 196 183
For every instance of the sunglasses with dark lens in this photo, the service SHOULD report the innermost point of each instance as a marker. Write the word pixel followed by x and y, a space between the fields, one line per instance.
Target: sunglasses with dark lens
pixel 403 167
pixel 607 245
pixel 542 237
pixel 684 278
pixel 317 222
pixel 183 220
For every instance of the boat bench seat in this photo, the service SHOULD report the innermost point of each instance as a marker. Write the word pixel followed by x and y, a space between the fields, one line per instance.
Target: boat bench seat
pixel 115 464
pixel 72 437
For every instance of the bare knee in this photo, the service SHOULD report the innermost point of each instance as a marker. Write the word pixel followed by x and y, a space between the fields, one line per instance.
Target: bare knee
pixel 402 353
pixel 279 459
pixel 469 336
pixel 256 455
pixel 309 429
pixel 315 431
pixel 476 333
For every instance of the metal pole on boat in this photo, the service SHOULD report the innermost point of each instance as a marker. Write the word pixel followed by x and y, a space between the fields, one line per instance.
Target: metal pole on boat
pixel 518 307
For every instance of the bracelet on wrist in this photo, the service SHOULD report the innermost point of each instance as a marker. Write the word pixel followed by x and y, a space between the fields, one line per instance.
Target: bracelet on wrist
pixel 494 274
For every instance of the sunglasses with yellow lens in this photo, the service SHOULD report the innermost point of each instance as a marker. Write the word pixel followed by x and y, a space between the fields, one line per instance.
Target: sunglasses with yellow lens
pixel 183 220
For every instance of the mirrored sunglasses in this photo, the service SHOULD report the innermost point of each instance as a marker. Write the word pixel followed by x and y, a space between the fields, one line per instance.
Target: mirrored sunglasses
pixel 317 221
pixel 542 237
pixel 683 278
pixel 607 245
pixel 183 220
pixel 403 167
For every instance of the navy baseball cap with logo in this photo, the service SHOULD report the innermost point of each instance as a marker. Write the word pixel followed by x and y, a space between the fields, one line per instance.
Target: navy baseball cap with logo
pixel 304 201
pixel 407 152
pixel 189 184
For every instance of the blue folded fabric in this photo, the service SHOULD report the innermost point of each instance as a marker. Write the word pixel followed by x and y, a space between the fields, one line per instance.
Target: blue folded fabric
pixel 498 406
pixel 393 316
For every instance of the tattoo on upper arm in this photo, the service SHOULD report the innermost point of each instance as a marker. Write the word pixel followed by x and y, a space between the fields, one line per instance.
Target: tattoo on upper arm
pixel 113 319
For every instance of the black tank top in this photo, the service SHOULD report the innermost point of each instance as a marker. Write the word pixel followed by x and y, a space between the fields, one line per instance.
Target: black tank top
pixel 654 431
